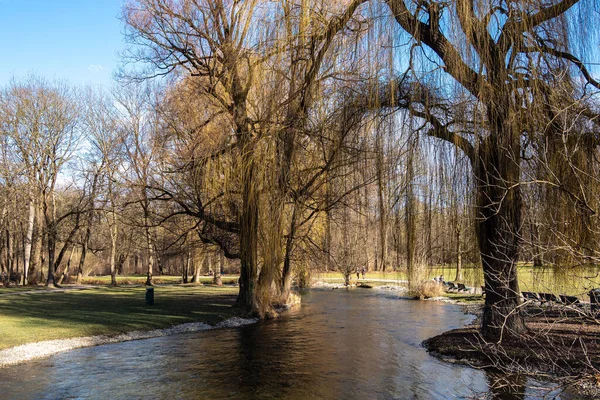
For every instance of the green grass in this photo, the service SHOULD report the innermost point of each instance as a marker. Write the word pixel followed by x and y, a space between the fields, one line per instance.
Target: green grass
pixel 141 279
pixel 574 281
pixel 33 317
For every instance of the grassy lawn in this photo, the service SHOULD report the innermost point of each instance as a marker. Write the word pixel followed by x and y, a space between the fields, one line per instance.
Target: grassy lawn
pixel 574 282
pixel 141 279
pixel 33 317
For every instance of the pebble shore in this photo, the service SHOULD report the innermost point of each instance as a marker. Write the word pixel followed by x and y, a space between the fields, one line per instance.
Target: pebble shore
pixel 31 351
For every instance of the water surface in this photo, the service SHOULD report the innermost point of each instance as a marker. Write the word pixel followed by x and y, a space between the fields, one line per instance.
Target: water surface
pixel 339 345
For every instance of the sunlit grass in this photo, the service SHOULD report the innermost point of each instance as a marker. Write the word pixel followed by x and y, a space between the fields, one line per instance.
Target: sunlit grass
pixel 573 281
pixel 33 317
pixel 141 279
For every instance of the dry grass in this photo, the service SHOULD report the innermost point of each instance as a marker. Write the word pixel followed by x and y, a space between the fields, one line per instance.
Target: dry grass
pixel 428 289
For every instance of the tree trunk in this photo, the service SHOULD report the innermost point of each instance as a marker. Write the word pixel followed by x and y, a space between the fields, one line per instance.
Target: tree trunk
pixel 185 267
pixel 248 239
pixel 217 270
pixel 65 272
pixel 379 166
pixel 84 248
pixel 36 260
pixel 50 216
pixel 459 272
pixel 113 253
pixel 196 266
pixel 411 225
pixel 286 277
pixel 149 246
pixel 499 229
pixel 28 238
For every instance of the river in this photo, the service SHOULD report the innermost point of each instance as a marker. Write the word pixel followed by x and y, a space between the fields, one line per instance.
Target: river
pixel 360 344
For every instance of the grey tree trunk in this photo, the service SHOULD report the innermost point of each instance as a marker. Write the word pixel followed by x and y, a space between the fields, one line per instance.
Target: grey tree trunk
pixel 28 237
pixel 65 272
pixel 113 251
pixel 197 266
pixel 459 271
pixel 217 270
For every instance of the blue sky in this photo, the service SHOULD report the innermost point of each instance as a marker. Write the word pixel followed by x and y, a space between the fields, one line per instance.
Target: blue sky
pixel 75 40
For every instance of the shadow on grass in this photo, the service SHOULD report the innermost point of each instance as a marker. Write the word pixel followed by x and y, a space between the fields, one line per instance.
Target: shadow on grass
pixel 56 315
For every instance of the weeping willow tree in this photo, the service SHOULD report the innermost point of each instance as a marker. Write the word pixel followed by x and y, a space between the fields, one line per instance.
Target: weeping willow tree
pixel 486 65
pixel 258 71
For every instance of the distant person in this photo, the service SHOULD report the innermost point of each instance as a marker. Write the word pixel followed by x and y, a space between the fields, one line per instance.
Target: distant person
pixel 357 274
pixel 441 278
pixel 363 270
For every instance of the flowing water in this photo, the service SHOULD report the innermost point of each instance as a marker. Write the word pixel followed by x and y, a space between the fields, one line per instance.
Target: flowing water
pixel 357 344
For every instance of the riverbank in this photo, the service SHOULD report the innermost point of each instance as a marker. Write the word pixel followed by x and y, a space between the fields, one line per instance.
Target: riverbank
pixel 562 344
pixel 32 351
pixel 58 314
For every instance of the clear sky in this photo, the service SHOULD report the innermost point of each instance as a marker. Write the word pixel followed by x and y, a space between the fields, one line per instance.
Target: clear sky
pixel 75 40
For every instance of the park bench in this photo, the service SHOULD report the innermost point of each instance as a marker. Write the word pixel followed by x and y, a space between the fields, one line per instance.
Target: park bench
pixel 549 298
pixel 531 296
pixel 463 288
pixel 570 300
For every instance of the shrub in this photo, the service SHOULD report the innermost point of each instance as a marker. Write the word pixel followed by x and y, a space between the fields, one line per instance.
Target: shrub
pixel 428 289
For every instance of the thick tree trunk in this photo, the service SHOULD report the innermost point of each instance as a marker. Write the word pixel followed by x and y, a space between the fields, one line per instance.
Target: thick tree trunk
pixel 286 277
pixel 248 239
pixel 499 231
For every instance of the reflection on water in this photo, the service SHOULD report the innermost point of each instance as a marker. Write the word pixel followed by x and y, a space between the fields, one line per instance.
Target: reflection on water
pixel 339 345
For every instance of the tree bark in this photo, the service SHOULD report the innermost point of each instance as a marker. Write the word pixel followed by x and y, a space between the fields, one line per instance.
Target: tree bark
pixel 197 266
pixel 248 239
pixel 113 251
pixel 28 237
pixel 286 277
pixel 459 272
pixel 218 269
pixel 499 229
pixel 50 217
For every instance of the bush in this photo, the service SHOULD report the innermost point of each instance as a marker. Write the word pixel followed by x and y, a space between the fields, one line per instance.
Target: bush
pixel 428 289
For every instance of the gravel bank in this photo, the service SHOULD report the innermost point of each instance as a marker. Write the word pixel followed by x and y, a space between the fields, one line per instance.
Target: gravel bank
pixel 31 351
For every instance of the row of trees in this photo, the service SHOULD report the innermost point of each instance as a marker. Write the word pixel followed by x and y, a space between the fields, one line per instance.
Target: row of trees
pixel 75 167
pixel 293 134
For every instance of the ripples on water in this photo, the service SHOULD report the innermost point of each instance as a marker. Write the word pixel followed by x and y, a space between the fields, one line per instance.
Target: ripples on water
pixel 338 345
